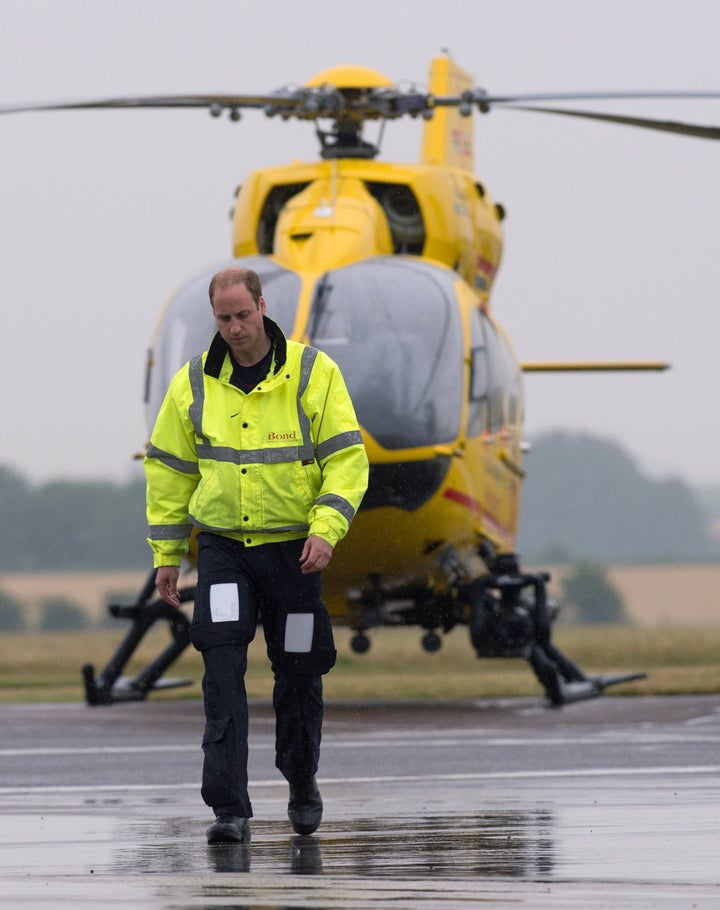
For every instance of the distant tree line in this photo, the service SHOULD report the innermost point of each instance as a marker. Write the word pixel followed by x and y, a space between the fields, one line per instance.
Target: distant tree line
pixel 70 525
pixel 57 614
pixel 584 499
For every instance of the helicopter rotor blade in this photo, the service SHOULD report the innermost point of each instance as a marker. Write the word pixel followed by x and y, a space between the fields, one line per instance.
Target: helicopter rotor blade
pixel 328 101
pixel 298 103
pixel 169 101
pixel 480 96
pixel 667 126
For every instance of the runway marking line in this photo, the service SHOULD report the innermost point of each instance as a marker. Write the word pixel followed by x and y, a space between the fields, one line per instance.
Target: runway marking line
pixel 489 775
pixel 392 741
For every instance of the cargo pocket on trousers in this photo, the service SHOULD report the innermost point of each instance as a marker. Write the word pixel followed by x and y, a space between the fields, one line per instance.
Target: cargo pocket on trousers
pixel 215 731
pixel 216 748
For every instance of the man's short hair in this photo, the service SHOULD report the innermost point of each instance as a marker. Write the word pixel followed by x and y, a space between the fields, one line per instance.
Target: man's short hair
pixel 227 278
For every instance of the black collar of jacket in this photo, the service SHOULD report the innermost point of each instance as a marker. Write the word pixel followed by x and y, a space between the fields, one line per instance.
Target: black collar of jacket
pixel 218 350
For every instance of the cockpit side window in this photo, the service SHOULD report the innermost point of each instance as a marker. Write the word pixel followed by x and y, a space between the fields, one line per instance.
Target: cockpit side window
pixel 487 377
pixel 513 391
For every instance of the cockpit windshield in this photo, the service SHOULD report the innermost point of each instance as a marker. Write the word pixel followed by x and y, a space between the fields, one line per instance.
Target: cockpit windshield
pixel 393 327
pixel 188 325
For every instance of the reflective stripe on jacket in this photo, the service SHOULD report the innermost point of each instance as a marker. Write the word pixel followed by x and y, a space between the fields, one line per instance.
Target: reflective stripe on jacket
pixel 281 462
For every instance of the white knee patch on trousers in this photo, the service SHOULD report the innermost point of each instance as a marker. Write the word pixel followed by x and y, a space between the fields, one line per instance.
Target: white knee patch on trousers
pixel 224 602
pixel 299 632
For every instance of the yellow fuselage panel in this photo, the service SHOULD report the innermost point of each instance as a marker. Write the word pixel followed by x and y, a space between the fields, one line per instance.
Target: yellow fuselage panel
pixel 332 222
pixel 333 214
pixel 478 499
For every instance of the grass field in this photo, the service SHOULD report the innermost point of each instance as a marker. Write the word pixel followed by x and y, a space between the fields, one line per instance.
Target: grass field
pixel 675 638
pixel 682 660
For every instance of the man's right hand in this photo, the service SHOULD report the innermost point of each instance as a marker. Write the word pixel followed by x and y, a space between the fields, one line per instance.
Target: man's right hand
pixel 166 584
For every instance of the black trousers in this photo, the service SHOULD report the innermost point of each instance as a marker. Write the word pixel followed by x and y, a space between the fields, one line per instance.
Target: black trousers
pixel 238 585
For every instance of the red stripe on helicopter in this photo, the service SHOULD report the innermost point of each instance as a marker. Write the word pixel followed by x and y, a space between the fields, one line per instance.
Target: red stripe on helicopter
pixel 501 532
pixel 463 499
pixel 485 266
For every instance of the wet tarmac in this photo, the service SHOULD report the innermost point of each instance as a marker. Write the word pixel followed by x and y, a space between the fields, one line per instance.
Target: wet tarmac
pixel 610 803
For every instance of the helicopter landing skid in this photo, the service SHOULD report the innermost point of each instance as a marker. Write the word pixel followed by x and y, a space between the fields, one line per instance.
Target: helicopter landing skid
pixel 512 617
pixel 109 686
pixel 564 681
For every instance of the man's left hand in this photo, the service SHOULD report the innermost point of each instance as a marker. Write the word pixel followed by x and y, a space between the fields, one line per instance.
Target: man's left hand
pixel 315 555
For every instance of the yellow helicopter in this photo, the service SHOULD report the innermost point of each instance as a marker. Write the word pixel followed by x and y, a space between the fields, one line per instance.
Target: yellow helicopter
pixel 389 268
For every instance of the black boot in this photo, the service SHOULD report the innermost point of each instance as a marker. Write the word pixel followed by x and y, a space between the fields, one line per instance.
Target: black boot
pixel 228 829
pixel 305 807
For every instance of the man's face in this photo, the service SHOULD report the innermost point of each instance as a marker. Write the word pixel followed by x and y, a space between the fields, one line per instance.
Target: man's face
pixel 240 322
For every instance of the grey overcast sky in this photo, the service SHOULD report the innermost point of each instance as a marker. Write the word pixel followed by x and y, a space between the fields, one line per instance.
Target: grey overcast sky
pixel 611 236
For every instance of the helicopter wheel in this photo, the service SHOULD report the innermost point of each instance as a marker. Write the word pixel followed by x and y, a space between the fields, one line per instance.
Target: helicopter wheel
pixel 360 643
pixel 431 642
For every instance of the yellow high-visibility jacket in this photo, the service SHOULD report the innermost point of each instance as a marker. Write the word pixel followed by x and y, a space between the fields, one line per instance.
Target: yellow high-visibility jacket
pixel 278 463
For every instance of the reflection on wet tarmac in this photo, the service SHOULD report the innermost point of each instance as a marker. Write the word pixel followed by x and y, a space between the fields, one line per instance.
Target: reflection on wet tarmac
pixel 306 856
pixel 506 844
pixel 509 844
pixel 228 858
pixel 303 857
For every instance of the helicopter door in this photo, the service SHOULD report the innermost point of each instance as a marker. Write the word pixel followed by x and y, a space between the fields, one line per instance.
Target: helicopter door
pixel 187 325
pixel 494 426
pixel 494 385
pixel 393 326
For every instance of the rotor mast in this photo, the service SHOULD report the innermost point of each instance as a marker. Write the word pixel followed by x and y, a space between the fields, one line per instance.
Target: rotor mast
pixel 351 85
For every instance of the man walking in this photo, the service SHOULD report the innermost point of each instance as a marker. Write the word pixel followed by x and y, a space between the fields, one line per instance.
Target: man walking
pixel 257 447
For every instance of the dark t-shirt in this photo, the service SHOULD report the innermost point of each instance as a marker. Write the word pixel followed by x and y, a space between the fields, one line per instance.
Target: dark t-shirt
pixel 246 378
